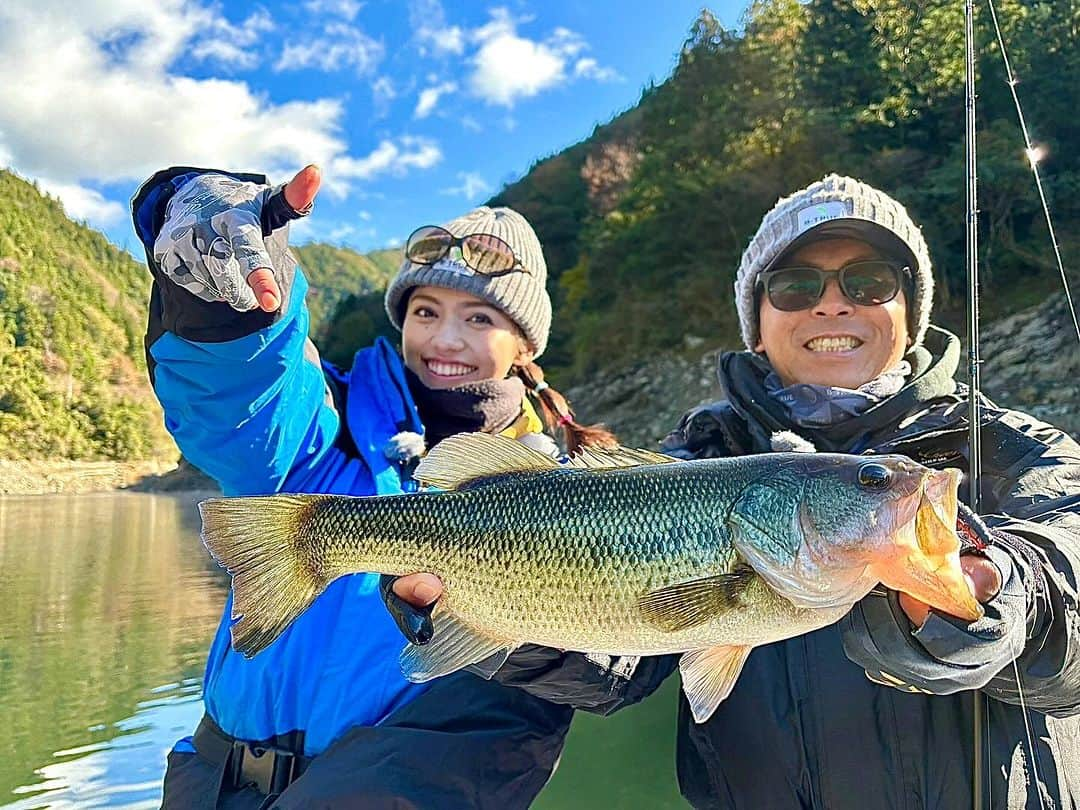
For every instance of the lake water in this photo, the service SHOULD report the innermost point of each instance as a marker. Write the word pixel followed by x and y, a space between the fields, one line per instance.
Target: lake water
pixel 108 605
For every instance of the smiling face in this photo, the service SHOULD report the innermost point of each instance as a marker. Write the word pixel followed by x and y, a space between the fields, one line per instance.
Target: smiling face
pixel 834 342
pixel 449 337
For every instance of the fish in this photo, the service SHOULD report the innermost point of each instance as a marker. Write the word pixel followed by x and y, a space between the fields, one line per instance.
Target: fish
pixel 620 552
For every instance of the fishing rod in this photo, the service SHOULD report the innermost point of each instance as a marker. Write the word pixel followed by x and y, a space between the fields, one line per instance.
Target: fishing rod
pixel 981 750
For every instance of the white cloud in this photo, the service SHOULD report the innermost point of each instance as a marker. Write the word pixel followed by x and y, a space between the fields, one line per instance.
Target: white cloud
pixel 364 215
pixel 383 89
pixel 233 45
pixel 431 32
pixel 389 157
pixel 339 233
pixel 430 96
pixel 340 46
pixel 383 92
pixel 472 186
pixel 346 9
pixel 87 98
pixel 588 68
pixel 85 204
pixel 508 67
pixel 470 123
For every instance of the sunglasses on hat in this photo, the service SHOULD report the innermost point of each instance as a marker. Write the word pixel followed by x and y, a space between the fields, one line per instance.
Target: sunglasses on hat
pixel 483 253
pixel 865 283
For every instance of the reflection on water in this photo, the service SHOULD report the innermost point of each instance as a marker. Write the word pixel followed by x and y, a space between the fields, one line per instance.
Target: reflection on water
pixel 109 604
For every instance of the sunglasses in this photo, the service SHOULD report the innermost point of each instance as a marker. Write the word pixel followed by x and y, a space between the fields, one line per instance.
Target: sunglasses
pixel 865 283
pixel 483 253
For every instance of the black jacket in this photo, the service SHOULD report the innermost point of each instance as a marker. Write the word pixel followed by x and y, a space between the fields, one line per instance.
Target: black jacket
pixel 868 713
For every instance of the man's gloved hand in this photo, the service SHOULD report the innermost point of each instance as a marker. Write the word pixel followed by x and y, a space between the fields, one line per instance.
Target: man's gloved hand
pixel 901 643
pixel 410 600
pixel 211 242
pixel 982 575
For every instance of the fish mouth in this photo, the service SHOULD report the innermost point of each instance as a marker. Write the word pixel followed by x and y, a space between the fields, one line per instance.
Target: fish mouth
pixel 927 566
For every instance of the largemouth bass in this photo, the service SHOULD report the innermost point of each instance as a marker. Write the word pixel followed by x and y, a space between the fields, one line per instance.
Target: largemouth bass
pixel 621 552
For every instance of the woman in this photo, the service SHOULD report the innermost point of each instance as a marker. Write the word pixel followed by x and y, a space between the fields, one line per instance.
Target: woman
pixel 323 717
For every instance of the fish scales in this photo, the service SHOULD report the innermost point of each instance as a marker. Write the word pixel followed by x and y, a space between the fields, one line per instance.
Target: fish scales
pixel 562 557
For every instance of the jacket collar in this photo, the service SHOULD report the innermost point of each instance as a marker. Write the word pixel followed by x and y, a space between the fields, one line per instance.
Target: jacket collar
pixel 742 377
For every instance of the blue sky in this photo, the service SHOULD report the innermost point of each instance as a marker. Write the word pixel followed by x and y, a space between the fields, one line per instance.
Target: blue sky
pixel 416 109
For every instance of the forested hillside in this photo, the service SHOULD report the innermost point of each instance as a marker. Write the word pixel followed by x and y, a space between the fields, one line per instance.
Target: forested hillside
pixel 870 89
pixel 335 273
pixel 72 315
pixel 644 222
pixel 73 383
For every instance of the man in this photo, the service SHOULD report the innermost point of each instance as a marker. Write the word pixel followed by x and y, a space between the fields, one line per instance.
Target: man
pixel 834 295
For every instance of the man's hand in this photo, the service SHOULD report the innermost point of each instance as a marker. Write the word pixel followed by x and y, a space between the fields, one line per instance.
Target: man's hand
pixel 211 242
pixel 980 573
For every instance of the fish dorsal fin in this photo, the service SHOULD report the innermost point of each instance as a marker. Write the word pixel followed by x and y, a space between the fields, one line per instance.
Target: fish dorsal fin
pixel 467 457
pixel 453 646
pixel 594 458
pixel 708 677
pixel 688 604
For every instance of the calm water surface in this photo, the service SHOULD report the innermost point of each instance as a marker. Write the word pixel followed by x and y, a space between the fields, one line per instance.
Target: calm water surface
pixel 109 604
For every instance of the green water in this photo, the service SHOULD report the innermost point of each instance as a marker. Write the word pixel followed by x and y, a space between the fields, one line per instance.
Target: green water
pixel 109 603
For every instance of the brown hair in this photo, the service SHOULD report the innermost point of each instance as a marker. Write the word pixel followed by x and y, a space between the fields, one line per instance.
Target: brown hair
pixel 557 413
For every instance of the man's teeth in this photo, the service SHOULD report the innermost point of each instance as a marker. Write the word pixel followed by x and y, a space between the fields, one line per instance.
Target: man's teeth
pixel 834 344
pixel 449 369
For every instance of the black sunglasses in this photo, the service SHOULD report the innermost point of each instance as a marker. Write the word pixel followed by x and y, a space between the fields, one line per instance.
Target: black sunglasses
pixel 483 253
pixel 865 283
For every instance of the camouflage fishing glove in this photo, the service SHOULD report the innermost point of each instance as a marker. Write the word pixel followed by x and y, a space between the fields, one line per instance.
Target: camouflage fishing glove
pixel 947 654
pixel 214 236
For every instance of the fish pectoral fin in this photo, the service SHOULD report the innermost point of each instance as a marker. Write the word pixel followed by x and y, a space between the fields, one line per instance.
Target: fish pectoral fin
pixel 468 458
pixel 688 604
pixel 453 646
pixel 595 458
pixel 709 675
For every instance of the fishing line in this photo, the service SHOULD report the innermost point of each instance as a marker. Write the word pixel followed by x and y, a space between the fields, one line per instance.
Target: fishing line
pixel 981 724
pixel 1033 156
pixel 1030 735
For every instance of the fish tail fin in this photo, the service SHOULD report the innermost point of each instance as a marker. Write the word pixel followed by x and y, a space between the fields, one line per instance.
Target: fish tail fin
pixel 260 542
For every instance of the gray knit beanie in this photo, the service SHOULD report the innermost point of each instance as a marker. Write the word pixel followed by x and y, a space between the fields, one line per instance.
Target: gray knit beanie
pixel 521 295
pixel 836 207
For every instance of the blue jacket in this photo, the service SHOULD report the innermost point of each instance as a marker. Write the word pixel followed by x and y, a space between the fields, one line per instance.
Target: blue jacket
pixel 250 409
pixel 255 415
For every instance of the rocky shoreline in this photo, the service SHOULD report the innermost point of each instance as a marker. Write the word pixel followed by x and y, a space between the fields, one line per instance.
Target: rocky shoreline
pixel 25 477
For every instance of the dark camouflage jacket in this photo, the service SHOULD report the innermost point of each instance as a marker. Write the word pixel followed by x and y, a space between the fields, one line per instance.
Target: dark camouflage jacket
pixel 871 713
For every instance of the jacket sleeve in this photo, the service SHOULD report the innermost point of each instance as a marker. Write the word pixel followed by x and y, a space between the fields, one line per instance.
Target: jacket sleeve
pixel 243 393
pixel 1035 619
pixel 599 684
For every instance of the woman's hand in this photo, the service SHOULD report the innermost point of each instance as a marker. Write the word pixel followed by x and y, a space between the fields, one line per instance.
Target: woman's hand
pixel 419 590
pixel 211 242
pixel 410 600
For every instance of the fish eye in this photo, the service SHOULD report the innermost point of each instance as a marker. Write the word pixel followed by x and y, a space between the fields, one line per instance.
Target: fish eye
pixel 874 476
